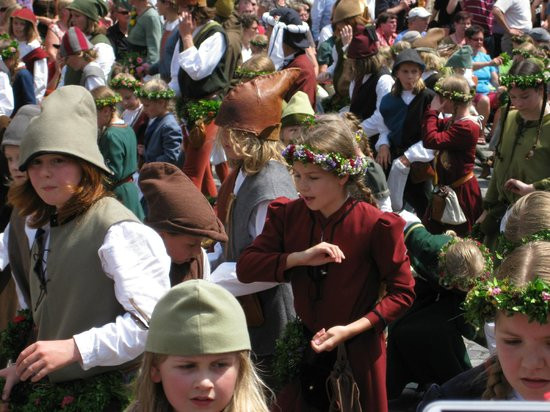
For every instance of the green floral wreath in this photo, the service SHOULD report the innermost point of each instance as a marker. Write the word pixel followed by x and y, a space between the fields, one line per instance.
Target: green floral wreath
pixel 505 246
pixel 108 101
pixel 523 53
pixel 204 109
pixel 156 95
pixel 483 301
pixel 289 352
pixel 250 74
pixel 525 81
pixel 16 336
pixel 331 162
pixel 124 83
pixel 258 43
pixel 10 49
pixel 449 281
pixel 454 96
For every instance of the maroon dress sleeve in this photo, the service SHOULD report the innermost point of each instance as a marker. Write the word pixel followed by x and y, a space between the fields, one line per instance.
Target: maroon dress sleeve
pixel 390 253
pixel 459 136
pixel 265 259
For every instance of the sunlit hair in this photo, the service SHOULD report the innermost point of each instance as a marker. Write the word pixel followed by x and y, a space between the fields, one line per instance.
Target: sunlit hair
pixel 249 392
pixel 522 265
pixel 87 55
pixel 464 259
pixel 386 57
pixel 254 153
pixel 368 65
pixel 259 63
pixel 530 214
pixel 398 47
pixel 30 30
pixel 455 83
pixel 397 87
pixel 104 92
pixel 431 60
pixel 331 133
pixel 202 15
pixel 354 123
pixel 90 189
pixel 62 4
pixel 158 85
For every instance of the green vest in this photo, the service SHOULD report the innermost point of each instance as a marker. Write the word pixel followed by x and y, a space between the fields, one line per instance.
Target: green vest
pixel 79 294
pixel 72 77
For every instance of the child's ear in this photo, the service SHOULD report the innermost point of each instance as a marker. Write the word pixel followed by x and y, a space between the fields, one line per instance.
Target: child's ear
pixel 155 374
pixel 343 180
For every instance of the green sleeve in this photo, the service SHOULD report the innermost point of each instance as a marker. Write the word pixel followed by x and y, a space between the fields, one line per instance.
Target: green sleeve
pixel 543 184
pixel 114 153
pixel 153 38
pixel 424 248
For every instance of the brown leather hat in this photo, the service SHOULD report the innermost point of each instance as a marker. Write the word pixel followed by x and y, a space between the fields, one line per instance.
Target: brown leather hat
pixel 175 205
pixel 430 40
pixel 256 106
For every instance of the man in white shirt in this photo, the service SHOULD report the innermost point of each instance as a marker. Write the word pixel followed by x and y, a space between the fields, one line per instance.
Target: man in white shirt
pixel 515 17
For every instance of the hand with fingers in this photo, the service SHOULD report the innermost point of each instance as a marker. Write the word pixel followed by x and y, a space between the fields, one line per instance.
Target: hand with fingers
pixel 518 187
pixel 383 158
pixel 10 375
pixel 346 34
pixel 327 340
pixel 317 255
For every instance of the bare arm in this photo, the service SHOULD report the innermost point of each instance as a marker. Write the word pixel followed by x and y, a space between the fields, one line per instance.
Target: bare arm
pixel 451 6
pixel 499 15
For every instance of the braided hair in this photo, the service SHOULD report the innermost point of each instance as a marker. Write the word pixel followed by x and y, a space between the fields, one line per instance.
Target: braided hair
pixel 497 385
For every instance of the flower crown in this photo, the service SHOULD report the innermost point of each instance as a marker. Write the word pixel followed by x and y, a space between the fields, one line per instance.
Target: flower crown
pixel 124 83
pixel 10 49
pixel 330 162
pixel 486 298
pixel 505 246
pixel 249 74
pixel 454 95
pixel 257 43
pixel 203 109
pixel 450 281
pixel 525 81
pixel 156 95
pixel 108 101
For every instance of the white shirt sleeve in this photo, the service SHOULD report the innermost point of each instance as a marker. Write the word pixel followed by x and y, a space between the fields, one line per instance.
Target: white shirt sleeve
pixel 200 63
pixel 6 95
pixel 94 81
pixel 383 87
pixel 418 153
pixel 40 76
pixel 174 69
pixel 134 257
pixel 105 57
pixel 4 256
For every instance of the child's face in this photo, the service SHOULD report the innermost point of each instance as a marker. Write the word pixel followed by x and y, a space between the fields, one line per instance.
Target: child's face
pixel 54 177
pixel 181 248
pixel 129 99
pixel 288 133
pixel 12 156
pixel 408 74
pixel 321 190
pixel 104 116
pixel 79 20
pixel 527 101
pixel 227 145
pixel 75 62
pixel 198 383
pixel 154 108
pixel 18 27
pixel 523 350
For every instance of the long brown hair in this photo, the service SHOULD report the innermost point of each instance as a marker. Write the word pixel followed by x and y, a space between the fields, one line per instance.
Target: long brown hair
pixel 90 189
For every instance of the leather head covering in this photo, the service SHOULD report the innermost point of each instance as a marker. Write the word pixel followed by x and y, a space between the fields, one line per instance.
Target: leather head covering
pixel 188 3
pixel 364 43
pixel 346 9
pixel 429 41
pixel 176 205
pixel 256 106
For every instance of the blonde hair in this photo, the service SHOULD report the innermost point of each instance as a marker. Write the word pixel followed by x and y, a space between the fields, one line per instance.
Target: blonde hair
pixel 530 214
pixel 386 57
pixel 249 394
pixel 158 85
pixel 397 87
pixel 62 4
pixel 521 266
pixel 254 153
pixel 124 76
pixel 104 92
pixel 331 133
pixel 431 60
pixel 456 83
pixel 464 259
pixel 398 47
pixel 354 123
pixel 259 63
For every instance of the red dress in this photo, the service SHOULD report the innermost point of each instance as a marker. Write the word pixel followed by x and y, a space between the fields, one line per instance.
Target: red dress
pixel 306 82
pixel 372 242
pixel 457 153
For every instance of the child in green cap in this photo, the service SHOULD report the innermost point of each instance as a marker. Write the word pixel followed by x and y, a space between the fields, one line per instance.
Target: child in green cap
pixel 197 355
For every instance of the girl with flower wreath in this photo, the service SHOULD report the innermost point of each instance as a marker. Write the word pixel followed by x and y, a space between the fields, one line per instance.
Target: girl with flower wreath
pixel 446 267
pixel 118 145
pixel 521 156
pixel 345 259
pixel 518 300
pixel 455 139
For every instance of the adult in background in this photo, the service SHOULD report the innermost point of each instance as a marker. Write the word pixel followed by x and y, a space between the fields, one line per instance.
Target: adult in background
pixel 515 17
pixel 386 28
pixel 145 31
pixel 398 7
pixel 461 21
pixel 118 32
pixel 417 20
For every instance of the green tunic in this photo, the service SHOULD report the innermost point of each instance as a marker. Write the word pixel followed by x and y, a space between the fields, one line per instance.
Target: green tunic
pixel 118 145
pixel 147 33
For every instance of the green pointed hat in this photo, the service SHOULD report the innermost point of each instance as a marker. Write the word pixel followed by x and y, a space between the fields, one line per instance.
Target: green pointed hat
pixel 297 110
pixel 461 59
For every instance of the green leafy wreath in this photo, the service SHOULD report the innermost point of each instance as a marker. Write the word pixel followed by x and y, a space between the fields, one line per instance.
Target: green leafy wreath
pixel 108 101
pixel 525 81
pixel 289 352
pixel 454 95
pixel 10 49
pixel 156 95
pixel 204 110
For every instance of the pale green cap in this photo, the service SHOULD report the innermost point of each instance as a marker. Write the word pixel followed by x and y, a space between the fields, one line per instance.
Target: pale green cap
pixel 197 317
pixel 297 110
pixel 67 125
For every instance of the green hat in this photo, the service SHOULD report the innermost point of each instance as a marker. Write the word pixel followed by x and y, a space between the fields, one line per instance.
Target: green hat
pixel 123 4
pixel 66 125
pixel 461 59
pixel 93 9
pixel 297 111
pixel 197 317
pixel 16 129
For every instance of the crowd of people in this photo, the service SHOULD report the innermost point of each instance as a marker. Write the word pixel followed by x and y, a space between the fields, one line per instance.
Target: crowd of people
pixel 272 205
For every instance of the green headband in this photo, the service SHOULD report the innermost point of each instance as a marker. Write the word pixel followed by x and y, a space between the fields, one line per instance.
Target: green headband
pixel 250 74
pixel 524 81
pixel 454 95
pixel 156 95
pixel 108 101
pixel 505 246
pixel 483 302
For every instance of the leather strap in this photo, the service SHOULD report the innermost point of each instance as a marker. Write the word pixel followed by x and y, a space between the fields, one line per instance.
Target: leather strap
pixel 462 180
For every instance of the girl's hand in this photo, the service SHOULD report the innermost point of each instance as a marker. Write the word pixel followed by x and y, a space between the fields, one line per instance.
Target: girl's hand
pixel 346 34
pixel 497 61
pixel 43 357
pixel 481 218
pixel 518 187
pixel 324 341
pixel 187 24
pixel 383 158
pixel 10 375
pixel 436 103
pixel 317 255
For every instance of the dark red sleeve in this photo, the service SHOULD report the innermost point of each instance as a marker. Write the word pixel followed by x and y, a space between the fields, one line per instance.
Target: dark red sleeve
pixel 390 253
pixel 265 259
pixel 460 135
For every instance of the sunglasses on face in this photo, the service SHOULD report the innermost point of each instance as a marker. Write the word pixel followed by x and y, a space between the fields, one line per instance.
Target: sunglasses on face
pixel 123 12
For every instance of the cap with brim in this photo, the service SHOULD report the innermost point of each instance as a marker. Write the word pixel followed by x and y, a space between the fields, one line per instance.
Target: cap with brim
pixel 540 35
pixel 16 129
pixel 197 317
pixel 346 9
pixel 408 56
pixel 176 205
pixel 93 9
pixel 190 3
pixel 298 110
pixel 419 12
pixel 24 14
pixel 410 36
pixel 67 125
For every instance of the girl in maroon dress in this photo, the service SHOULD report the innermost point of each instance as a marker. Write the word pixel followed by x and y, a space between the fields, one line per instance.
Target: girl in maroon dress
pixel 455 138
pixel 336 249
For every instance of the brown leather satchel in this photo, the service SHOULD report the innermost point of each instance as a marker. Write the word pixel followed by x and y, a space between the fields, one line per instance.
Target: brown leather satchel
pixel 341 386
pixel 421 172
pixel 252 309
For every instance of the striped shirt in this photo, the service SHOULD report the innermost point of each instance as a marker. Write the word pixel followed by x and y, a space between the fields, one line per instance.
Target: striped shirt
pixel 481 13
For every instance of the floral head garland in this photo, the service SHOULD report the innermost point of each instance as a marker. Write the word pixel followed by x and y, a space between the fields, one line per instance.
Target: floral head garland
pixel 156 95
pixel 257 43
pixel 454 95
pixel 202 110
pixel 450 281
pixel 331 162
pixel 505 246
pixel 108 101
pixel 124 83
pixel 525 81
pixel 10 49
pixel 360 135
pixel 483 301
pixel 250 74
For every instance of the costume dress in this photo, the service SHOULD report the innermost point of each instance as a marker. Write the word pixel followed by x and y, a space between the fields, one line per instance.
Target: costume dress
pixel 338 294
pixel 144 37
pixel 456 144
